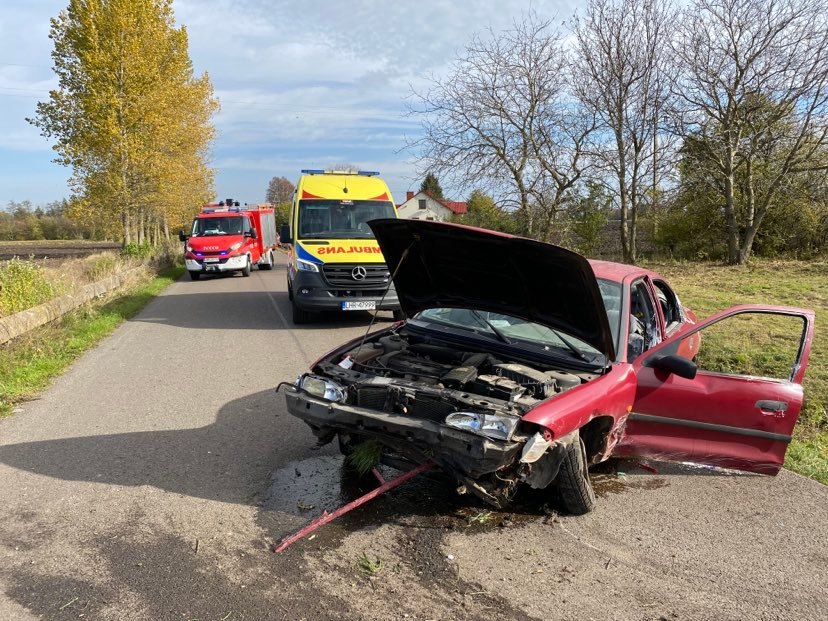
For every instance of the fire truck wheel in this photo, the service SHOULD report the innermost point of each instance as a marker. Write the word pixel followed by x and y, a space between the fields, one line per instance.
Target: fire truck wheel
pixel 268 264
pixel 195 275
pixel 247 268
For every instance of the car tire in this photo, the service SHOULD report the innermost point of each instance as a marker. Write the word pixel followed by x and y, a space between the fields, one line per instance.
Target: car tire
pixel 195 275
pixel 301 316
pixel 267 265
pixel 574 486
pixel 399 315
pixel 246 271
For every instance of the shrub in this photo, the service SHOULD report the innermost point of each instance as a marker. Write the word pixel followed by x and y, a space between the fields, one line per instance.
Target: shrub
pixel 138 251
pixel 23 284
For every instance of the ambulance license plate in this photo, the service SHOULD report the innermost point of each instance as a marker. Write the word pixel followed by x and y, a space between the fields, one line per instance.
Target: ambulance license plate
pixel 361 305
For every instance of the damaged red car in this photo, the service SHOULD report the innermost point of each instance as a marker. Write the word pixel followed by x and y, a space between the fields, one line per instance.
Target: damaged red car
pixel 523 364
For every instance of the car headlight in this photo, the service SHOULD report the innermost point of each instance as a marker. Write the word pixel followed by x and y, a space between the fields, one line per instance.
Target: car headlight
pixel 484 424
pixel 321 387
pixel 189 248
pixel 235 246
pixel 306 266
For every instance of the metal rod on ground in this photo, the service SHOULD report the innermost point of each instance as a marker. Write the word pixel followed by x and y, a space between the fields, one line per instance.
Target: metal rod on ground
pixel 328 517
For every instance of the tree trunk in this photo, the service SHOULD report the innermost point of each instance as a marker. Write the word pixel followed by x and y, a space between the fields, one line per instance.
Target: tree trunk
pixel 733 254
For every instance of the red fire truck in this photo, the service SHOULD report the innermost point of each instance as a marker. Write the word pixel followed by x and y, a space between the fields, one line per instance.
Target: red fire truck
pixel 228 237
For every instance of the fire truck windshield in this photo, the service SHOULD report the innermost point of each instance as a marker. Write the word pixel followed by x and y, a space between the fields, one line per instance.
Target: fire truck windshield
pixel 225 225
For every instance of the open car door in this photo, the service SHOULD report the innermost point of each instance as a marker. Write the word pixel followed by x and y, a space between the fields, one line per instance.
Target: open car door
pixel 735 405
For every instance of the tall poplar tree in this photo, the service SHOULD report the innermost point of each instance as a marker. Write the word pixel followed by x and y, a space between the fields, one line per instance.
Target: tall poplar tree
pixel 129 116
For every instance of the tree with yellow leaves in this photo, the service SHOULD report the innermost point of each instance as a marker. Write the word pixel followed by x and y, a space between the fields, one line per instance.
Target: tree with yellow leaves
pixel 129 116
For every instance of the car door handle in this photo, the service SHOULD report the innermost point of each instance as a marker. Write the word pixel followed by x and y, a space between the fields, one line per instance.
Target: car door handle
pixel 772 408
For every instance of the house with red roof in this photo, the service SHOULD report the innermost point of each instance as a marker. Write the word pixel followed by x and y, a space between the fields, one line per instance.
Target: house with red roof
pixel 423 206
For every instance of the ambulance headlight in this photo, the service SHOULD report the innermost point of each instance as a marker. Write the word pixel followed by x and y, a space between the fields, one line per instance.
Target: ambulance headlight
pixel 306 266
pixel 321 387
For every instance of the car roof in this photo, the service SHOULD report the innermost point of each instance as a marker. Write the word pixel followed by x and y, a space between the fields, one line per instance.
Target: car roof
pixel 619 272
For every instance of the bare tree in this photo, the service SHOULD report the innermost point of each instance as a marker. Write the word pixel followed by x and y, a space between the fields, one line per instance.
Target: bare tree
pixel 753 89
pixel 620 76
pixel 279 191
pixel 499 121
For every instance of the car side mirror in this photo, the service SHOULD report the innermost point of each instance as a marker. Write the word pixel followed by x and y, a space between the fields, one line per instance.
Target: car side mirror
pixel 254 233
pixel 182 236
pixel 285 235
pixel 675 364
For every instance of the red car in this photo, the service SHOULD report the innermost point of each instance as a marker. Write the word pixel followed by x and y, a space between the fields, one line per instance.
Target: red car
pixel 522 363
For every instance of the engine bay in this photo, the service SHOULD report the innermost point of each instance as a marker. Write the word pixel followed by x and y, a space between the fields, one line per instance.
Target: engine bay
pixel 423 377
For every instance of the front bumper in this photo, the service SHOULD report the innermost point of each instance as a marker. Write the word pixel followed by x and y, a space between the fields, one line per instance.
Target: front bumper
pixel 229 264
pixel 465 454
pixel 312 293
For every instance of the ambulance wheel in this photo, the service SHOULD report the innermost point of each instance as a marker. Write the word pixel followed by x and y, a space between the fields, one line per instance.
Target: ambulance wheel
pixel 300 316
pixel 195 275
pixel 290 292
pixel 246 271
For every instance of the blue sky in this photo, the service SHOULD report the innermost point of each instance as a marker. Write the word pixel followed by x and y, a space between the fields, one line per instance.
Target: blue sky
pixel 302 84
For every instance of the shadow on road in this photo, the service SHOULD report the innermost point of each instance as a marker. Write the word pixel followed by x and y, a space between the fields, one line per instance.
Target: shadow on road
pixel 228 460
pixel 202 309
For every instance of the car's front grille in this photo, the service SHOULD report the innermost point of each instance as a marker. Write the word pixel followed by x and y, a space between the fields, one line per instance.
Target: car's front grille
pixel 357 275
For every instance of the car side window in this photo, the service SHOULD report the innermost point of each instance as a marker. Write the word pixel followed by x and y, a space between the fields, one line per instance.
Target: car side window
pixel 644 332
pixel 670 306
pixel 750 344
pixel 246 226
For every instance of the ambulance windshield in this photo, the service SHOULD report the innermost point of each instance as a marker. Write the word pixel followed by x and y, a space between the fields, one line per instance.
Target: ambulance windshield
pixel 340 219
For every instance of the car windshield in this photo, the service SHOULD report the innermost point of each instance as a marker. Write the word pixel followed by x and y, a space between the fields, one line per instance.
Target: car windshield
pixel 229 225
pixel 514 329
pixel 344 219
pixel 611 294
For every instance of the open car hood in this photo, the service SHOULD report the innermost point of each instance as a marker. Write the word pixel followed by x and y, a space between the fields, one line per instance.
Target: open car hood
pixel 435 265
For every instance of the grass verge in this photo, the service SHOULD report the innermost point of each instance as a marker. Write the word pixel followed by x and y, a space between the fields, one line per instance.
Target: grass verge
pixel 707 288
pixel 28 364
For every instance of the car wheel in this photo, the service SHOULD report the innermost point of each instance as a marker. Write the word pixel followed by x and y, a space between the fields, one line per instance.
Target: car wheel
pixel 399 315
pixel 247 268
pixel 195 275
pixel 574 486
pixel 267 265
pixel 300 316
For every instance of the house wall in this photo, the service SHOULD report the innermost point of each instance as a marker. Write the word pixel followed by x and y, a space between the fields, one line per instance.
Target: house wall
pixel 434 210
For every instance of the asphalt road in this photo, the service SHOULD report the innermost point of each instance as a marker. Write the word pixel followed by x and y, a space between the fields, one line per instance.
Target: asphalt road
pixel 150 481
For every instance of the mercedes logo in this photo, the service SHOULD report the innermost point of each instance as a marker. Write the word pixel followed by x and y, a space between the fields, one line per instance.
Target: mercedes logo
pixel 359 273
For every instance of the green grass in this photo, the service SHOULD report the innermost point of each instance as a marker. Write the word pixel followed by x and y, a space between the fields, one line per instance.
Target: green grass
pixel 369 566
pixel 365 456
pixel 707 288
pixel 29 363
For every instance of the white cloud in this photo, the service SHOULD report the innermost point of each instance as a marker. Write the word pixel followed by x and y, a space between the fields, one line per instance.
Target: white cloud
pixel 302 84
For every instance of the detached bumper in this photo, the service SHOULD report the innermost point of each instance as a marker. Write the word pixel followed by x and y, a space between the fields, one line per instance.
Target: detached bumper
pixel 312 293
pixel 231 264
pixel 464 453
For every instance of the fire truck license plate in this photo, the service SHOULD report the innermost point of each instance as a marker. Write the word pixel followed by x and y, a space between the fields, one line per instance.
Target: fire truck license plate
pixel 211 260
pixel 366 305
